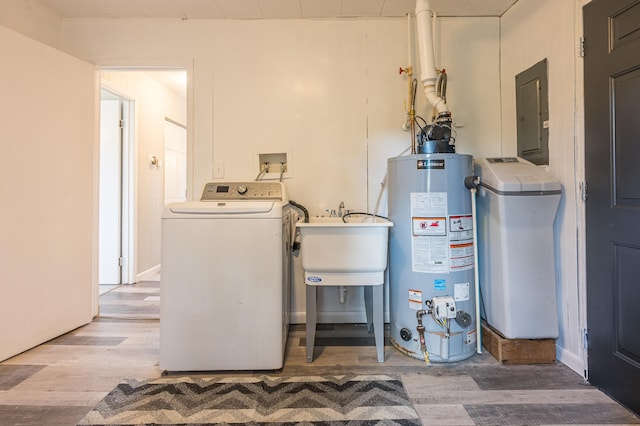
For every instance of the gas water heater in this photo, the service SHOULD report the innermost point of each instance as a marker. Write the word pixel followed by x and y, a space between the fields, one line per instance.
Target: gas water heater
pixel 431 257
pixel 432 292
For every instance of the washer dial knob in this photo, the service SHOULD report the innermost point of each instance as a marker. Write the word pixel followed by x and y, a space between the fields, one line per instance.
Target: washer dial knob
pixel 242 190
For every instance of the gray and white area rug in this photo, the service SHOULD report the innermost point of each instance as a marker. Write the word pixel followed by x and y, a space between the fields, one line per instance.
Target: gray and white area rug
pixel 201 400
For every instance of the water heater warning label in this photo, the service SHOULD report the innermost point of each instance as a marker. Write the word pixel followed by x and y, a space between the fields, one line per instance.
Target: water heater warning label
pixel 471 337
pixel 415 299
pixel 461 292
pixel 440 243
pixel 461 242
pixel 429 225
pixel 429 242
pixel 461 227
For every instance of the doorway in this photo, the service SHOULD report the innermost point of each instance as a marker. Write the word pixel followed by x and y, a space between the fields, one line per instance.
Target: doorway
pixel 136 174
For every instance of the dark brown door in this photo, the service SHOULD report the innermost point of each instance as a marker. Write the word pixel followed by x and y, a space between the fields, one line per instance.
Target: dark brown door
pixel 612 131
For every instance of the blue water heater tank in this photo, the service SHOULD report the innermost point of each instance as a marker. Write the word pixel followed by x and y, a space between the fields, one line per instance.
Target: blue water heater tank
pixel 431 269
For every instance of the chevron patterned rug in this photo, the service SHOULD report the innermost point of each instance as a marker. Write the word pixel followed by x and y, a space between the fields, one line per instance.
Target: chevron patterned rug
pixel 326 400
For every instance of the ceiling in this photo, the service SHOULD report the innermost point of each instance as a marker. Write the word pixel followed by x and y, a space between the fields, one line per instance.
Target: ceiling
pixel 265 9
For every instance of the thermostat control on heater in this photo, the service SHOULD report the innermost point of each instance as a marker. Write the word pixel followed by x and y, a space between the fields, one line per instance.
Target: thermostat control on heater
pixel 444 307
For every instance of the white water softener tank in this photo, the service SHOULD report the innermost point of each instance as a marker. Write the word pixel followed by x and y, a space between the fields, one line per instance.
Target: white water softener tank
pixel 516 206
pixel 431 268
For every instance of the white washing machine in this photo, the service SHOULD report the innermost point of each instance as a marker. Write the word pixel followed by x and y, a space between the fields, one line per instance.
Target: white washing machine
pixel 225 286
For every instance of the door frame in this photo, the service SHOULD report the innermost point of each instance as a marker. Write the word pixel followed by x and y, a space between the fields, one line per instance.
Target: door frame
pixel 128 215
pixel 580 166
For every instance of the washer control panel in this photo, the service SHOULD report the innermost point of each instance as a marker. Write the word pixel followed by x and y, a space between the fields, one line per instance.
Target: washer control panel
pixel 216 191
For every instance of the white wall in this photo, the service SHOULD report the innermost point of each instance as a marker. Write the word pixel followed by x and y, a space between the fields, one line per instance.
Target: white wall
pixel 533 30
pixel 153 102
pixel 48 220
pixel 327 92
pixel 30 18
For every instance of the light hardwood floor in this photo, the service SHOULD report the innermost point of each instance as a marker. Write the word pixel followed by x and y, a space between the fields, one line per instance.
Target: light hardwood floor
pixel 58 382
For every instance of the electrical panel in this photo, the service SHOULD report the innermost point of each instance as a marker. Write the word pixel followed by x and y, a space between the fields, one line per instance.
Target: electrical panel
pixel 532 112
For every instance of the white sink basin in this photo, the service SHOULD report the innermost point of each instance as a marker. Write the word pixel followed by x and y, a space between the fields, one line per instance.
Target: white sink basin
pixel 337 253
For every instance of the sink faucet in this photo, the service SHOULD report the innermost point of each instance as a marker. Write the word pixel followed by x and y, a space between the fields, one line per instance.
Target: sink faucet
pixel 337 213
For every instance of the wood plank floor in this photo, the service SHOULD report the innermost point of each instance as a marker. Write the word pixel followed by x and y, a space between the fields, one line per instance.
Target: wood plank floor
pixel 58 382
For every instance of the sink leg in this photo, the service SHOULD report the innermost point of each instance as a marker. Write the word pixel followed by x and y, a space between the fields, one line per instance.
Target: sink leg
pixel 378 319
pixel 311 320
pixel 368 306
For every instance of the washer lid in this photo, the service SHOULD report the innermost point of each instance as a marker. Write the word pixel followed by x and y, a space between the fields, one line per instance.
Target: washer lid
pixel 514 175
pixel 220 208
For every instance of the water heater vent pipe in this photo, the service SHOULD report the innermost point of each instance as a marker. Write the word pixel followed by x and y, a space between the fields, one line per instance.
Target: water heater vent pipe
pixel 428 74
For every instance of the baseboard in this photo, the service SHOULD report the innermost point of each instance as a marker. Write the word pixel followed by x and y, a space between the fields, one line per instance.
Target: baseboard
pixel 571 360
pixel 148 274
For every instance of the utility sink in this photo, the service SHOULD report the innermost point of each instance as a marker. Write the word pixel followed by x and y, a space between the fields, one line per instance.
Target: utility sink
pixel 339 253
pixel 351 253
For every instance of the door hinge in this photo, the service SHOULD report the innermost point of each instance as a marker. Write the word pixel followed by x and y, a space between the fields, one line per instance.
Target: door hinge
pixel 584 193
pixel 121 124
pixel 120 261
pixel 585 338
pixel 581 47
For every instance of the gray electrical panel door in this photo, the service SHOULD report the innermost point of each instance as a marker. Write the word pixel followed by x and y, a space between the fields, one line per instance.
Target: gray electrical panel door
pixel 532 113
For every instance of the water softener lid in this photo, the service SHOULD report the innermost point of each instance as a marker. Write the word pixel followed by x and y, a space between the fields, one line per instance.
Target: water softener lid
pixel 513 174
